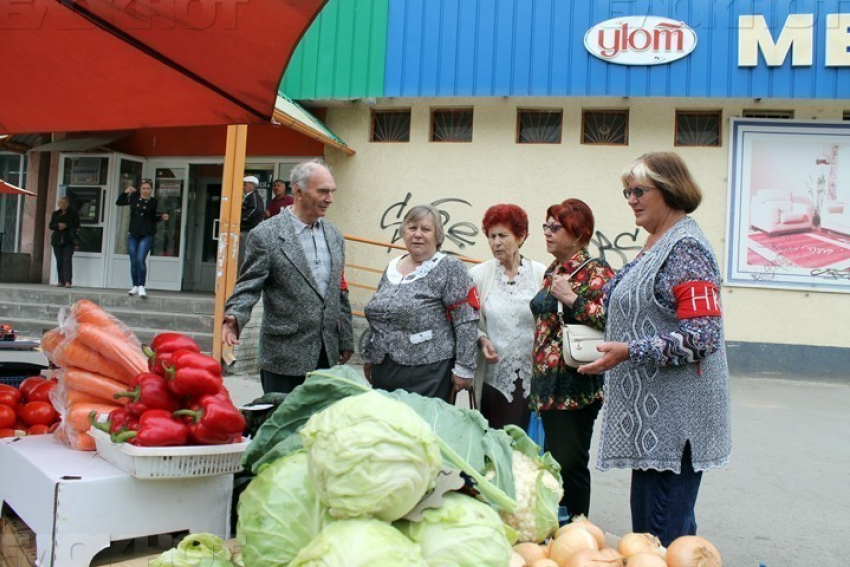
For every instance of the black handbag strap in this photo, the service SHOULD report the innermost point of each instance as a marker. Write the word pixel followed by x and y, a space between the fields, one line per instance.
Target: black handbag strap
pixel 561 305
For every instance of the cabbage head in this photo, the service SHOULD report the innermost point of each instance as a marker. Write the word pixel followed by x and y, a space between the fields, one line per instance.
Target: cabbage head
pixel 363 542
pixel 370 456
pixel 463 532
pixel 196 550
pixel 279 513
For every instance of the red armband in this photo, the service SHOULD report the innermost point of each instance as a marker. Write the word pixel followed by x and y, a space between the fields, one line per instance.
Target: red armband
pixel 697 299
pixel 471 298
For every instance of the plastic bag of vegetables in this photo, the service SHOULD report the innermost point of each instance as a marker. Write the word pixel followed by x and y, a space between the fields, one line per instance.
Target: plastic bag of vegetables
pixel 279 513
pixel 363 542
pixel 537 480
pixel 369 455
pixel 463 532
pixel 196 550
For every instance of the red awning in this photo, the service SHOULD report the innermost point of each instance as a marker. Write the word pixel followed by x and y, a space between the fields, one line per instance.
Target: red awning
pixel 72 65
pixel 9 189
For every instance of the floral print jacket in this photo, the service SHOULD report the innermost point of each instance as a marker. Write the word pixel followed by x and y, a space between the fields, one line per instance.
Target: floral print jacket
pixel 554 385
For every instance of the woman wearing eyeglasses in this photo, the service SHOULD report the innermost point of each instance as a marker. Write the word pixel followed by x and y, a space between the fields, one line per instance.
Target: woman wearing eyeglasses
pixel 667 414
pixel 140 235
pixel 568 401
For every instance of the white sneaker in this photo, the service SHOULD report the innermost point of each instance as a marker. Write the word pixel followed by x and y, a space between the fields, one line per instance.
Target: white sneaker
pixel 134 290
pixel 142 292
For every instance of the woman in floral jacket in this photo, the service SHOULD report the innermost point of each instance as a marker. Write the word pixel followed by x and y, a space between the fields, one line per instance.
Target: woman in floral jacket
pixel 568 402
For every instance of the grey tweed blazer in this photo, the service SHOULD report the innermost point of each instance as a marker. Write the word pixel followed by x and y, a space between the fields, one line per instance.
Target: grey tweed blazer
pixel 297 320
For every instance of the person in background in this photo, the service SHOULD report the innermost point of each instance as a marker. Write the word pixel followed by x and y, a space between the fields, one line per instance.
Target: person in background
pixel 667 409
pixel 424 316
pixel 64 223
pixel 505 287
pixel 252 211
pixel 140 235
pixel 281 199
pixel 295 262
pixel 568 401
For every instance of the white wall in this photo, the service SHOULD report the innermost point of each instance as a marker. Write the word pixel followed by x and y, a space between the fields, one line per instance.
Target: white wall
pixel 494 168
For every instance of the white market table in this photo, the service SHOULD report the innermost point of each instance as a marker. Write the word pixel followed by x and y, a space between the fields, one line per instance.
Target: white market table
pixel 77 503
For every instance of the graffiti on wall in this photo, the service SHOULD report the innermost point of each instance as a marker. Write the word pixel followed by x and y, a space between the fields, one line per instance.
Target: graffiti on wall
pixel 617 252
pixel 461 233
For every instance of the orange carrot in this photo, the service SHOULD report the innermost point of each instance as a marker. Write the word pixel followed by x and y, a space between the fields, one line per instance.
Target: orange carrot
pixel 93 384
pixel 74 353
pixel 114 347
pixel 85 311
pixel 82 441
pixel 50 340
pixel 77 417
pixel 76 397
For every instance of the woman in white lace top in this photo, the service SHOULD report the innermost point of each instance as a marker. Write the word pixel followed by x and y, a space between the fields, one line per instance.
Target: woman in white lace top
pixel 505 287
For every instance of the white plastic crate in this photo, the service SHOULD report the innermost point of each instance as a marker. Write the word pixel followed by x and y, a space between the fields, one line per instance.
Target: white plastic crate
pixel 170 462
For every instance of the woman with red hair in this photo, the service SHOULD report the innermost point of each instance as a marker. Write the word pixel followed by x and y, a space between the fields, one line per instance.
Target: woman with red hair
pixel 568 402
pixel 505 286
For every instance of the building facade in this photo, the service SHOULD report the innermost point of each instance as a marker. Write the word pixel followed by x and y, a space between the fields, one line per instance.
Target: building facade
pixel 469 104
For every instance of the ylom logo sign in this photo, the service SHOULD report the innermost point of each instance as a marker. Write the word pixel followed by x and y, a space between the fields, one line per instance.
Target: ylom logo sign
pixel 640 40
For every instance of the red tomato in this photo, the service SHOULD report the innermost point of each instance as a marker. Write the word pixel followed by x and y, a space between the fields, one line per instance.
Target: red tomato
pixel 38 429
pixel 9 397
pixel 41 393
pixel 6 387
pixel 29 384
pixel 7 432
pixel 38 412
pixel 54 426
pixel 7 417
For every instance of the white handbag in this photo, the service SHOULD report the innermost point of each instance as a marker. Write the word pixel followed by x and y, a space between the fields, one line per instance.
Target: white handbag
pixel 579 341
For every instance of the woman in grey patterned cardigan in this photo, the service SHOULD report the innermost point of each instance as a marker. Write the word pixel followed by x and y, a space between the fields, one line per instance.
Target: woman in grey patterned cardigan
pixel 424 316
pixel 667 413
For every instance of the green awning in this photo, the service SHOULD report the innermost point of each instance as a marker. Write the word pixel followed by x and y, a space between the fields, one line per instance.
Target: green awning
pixel 291 114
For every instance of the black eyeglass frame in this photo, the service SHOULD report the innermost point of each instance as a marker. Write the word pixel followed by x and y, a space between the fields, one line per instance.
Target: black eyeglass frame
pixel 638 192
pixel 553 228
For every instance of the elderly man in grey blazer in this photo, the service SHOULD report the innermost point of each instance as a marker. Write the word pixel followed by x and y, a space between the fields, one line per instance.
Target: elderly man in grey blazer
pixel 295 260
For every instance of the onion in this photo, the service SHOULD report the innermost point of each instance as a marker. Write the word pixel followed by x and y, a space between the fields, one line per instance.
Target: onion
pixel 592 558
pixel 693 551
pixel 636 543
pixel 531 552
pixel 645 559
pixel 571 541
pixel 517 560
pixel 545 562
pixel 583 522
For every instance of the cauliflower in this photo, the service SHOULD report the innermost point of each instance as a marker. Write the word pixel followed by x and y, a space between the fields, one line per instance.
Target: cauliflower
pixel 538 492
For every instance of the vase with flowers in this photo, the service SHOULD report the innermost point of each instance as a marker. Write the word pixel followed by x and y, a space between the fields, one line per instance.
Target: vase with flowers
pixel 817 191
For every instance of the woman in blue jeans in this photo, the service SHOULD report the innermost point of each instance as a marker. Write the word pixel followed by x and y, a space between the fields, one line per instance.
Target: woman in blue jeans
pixel 143 219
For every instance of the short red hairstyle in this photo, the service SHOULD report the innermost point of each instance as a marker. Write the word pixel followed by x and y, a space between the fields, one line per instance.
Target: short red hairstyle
pixel 511 216
pixel 576 217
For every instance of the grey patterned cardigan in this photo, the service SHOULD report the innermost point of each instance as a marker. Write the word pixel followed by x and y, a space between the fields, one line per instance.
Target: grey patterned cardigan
pixel 398 315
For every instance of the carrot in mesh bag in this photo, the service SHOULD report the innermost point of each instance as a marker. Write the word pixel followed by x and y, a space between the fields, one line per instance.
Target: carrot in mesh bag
pixel 94 384
pixel 78 440
pixel 114 347
pixel 63 395
pixel 77 417
pixel 89 312
pixel 50 341
pixel 73 353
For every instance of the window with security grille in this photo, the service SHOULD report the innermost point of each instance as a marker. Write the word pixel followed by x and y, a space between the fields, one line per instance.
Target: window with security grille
pixel 783 114
pixel 695 128
pixel 539 126
pixel 605 127
pixel 451 125
pixel 390 126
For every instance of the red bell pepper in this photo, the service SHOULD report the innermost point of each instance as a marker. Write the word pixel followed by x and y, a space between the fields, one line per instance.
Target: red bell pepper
pixel 214 420
pixel 119 420
pixel 151 392
pixel 163 346
pixel 193 374
pixel 157 428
